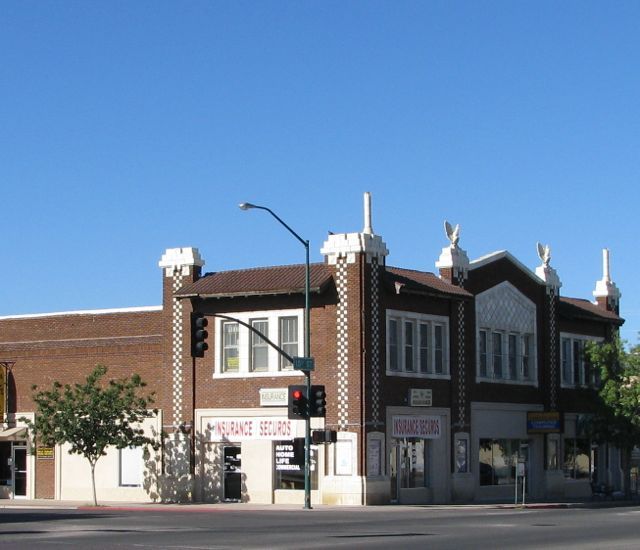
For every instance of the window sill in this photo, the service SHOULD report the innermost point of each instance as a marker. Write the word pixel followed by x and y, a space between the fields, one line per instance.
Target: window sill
pixel 259 374
pixel 421 375
pixel 530 383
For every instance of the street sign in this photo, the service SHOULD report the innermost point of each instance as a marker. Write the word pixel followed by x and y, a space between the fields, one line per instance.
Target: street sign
pixel 303 363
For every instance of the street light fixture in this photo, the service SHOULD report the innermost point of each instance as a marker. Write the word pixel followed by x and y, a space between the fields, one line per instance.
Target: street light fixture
pixel 307 346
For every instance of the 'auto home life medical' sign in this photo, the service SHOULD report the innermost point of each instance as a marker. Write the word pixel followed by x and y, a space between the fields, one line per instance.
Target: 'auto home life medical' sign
pixel 423 427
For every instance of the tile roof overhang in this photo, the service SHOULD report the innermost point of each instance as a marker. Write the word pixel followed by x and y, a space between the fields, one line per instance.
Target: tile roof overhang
pixel 577 308
pixel 408 281
pixel 260 281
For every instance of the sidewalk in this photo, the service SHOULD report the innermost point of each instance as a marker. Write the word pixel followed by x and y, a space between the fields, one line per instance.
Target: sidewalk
pixel 50 504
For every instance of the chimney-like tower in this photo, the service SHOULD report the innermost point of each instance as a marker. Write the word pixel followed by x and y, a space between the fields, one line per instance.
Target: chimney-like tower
pixel 348 245
pixel 607 294
pixel 358 264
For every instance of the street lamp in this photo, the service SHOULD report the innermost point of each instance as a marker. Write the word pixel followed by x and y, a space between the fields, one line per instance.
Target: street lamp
pixel 307 346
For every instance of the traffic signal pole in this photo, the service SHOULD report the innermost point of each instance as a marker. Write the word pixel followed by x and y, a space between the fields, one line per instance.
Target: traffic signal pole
pixel 307 345
pixel 307 353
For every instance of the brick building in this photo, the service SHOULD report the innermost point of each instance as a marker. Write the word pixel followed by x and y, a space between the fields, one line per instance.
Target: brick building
pixel 439 385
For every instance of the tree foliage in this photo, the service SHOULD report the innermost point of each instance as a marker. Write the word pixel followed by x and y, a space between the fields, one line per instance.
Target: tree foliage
pixel 617 416
pixel 92 416
pixel 619 392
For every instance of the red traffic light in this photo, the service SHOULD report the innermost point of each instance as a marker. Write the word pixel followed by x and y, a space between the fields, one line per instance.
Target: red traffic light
pixel 298 406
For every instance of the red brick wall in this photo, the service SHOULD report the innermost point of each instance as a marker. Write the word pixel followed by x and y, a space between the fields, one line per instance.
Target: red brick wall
pixel 65 348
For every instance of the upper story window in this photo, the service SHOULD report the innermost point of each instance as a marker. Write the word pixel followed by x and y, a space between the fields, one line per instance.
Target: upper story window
pixel 288 341
pixel 230 349
pixel 243 352
pixel 259 346
pixel 417 344
pixel 506 321
pixel 576 370
pixel 506 358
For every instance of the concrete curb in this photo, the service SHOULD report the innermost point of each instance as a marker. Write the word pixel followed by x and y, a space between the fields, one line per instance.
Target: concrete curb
pixel 42 504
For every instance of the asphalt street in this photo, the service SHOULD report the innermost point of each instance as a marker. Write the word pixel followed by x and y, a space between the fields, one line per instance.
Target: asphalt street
pixel 328 527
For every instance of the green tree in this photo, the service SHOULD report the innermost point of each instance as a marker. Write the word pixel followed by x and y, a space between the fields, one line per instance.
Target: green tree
pixel 617 416
pixel 92 416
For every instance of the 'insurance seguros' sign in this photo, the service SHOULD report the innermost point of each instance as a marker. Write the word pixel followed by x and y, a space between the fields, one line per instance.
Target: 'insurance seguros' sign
pixel 424 427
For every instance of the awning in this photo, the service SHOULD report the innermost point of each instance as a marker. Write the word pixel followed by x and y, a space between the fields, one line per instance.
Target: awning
pixel 13 434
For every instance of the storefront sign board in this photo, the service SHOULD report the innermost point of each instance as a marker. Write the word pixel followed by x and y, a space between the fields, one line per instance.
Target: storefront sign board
pixel 543 422
pixel 420 397
pixel 422 427
pixel 246 428
pixel 273 397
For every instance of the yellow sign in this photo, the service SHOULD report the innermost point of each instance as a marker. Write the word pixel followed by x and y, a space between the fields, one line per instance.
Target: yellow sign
pixel 45 453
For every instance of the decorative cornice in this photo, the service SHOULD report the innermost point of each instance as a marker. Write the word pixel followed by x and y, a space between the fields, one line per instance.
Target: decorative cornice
pixel 180 259
pixel 549 276
pixel 456 259
pixel 348 245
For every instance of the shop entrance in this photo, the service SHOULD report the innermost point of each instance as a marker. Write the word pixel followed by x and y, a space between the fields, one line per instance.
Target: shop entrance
pixel 19 471
pixel 232 457
pixel 409 462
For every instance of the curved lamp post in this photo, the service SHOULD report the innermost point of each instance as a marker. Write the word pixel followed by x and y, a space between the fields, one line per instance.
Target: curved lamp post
pixel 307 346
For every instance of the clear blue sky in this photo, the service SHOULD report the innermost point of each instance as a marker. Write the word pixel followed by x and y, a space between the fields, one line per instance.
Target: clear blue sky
pixel 130 127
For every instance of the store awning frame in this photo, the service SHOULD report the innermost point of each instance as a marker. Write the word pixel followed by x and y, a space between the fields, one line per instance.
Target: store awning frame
pixel 14 434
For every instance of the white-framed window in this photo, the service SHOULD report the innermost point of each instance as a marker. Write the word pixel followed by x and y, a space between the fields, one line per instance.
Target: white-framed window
pixel 230 346
pixel 393 338
pixel 131 467
pixel 508 358
pixel 259 347
pixel 483 353
pixel 417 344
pixel 506 336
pixel 241 352
pixel 289 339
pixel 576 370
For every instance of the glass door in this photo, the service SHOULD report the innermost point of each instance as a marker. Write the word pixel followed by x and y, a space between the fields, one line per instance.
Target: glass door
pixel 393 474
pixel 19 477
pixel 232 473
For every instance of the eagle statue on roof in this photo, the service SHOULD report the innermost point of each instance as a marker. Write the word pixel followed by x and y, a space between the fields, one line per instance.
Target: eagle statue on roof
pixel 453 233
pixel 544 253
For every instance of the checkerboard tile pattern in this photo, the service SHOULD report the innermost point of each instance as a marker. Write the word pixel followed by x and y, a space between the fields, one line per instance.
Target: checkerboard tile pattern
pixel 462 389
pixel 552 350
pixel 177 348
pixel 375 341
pixel 342 344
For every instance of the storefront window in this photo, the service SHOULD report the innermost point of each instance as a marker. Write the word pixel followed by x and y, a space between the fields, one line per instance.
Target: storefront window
pixel 577 454
pixel 498 460
pixel 289 464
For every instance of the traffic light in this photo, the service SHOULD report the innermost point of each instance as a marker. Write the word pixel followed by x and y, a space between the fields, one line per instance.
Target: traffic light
pixel 318 401
pixel 319 437
pixel 297 402
pixel 198 335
